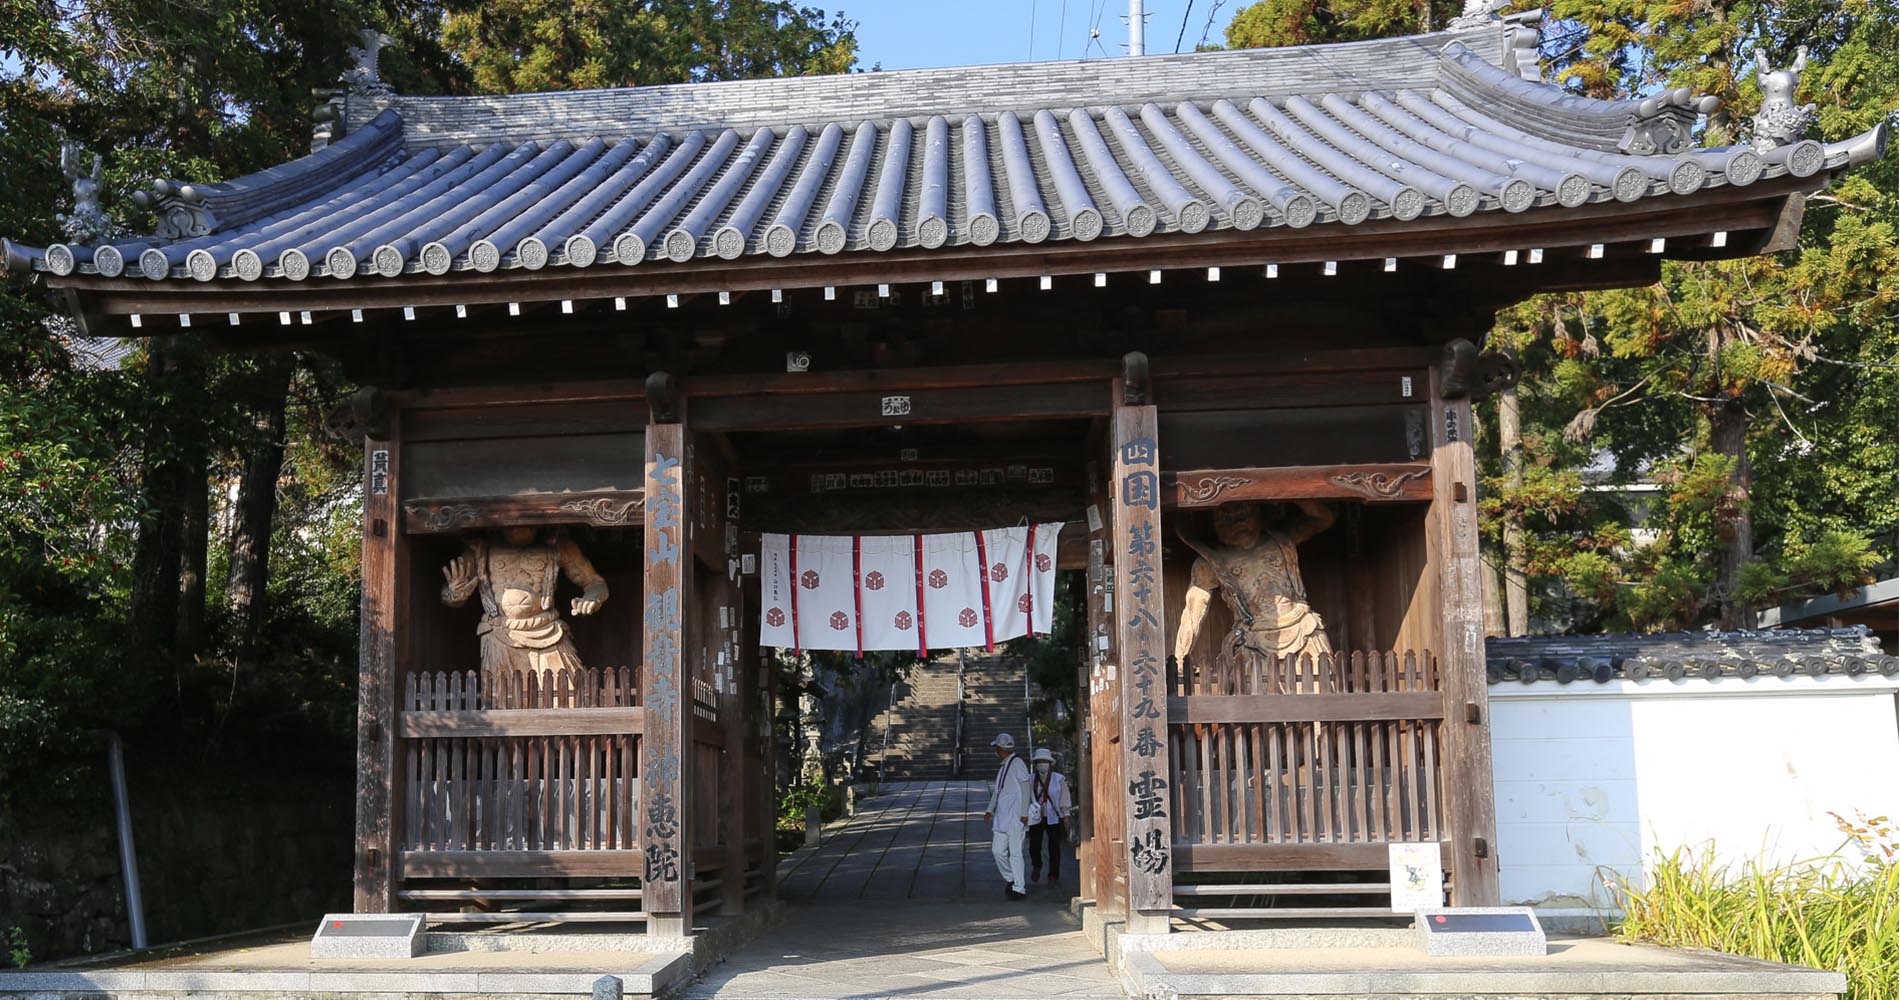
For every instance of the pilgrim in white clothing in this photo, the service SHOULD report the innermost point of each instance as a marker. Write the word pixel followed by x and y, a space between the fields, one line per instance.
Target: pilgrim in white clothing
pixel 1008 815
pixel 1048 812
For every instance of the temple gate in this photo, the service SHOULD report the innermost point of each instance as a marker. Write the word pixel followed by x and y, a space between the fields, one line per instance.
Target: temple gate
pixel 1219 315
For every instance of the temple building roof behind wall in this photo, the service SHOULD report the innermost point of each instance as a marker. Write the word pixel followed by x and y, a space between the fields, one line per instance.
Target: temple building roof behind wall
pixel 1445 126
pixel 1678 656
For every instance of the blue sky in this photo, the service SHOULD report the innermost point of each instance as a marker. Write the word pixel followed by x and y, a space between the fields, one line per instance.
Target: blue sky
pixel 915 34
pixel 912 34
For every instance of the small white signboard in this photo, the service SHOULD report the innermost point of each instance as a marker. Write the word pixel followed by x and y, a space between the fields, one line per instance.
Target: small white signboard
pixel 1418 877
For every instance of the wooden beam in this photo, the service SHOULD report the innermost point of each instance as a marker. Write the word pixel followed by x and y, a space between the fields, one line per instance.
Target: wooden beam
pixel 989 404
pixel 1281 857
pixel 903 512
pixel 1140 617
pixel 627 391
pixel 1453 524
pixel 521 864
pixel 454 515
pixel 1254 708
pixel 1093 371
pixel 1376 483
pixel 666 757
pixel 384 611
pixel 503 722
pixel 1273 391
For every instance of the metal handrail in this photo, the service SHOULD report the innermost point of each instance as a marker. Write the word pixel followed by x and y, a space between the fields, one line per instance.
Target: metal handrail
pixel 956 741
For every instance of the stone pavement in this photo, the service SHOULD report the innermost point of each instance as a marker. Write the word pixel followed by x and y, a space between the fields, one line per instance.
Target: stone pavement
pixel 936 950
pixel 918 840
pixel 903 900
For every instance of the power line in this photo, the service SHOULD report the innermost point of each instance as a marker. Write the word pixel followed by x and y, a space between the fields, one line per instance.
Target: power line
pixel 1095 30
pixel 1189 12
pixel 1032 30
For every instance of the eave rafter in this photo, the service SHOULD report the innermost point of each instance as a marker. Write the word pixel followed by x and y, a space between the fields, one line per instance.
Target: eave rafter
pixel 1749 220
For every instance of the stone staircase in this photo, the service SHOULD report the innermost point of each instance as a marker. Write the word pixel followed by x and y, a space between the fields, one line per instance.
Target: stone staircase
pixel 992 703
pixel 922 720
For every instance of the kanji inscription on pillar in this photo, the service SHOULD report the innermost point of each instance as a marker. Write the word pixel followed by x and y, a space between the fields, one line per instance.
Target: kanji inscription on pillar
pixel 1140 624
pixel 663 789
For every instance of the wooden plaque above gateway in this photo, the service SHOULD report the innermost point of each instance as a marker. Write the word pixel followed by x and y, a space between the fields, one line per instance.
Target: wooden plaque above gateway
pixel 1373 483
pixel 451 515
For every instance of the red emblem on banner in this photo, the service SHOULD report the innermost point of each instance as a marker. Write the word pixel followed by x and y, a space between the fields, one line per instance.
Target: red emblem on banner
pixel 999 572
pixel 840 620
pixel 1042 562
pixel 809 579
pixel 874 580
pixel 967 618
pixel 939 579
pixel 902 621
pixel 774 617
pixel 1022 603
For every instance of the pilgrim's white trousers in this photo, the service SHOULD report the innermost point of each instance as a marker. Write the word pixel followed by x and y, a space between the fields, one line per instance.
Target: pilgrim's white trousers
pixel 1007 847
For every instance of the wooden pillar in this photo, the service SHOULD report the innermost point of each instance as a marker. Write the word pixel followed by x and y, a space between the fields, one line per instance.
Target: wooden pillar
pixel 732 805
pixel 1453 543
pixel 1139 617
pixel 666 760
pixel 766 704
pixel 1082 780
pixel 1106 826
pixel 385 566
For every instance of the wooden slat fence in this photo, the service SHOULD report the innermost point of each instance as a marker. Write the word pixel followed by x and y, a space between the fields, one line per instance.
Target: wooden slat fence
pixel 518 762
pixel 1321 757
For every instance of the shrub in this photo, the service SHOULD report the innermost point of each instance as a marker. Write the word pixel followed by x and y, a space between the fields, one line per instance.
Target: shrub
pixel 1824 913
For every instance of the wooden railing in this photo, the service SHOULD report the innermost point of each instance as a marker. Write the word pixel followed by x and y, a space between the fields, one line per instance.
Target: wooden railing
pixel 1314 752
pixel 514 774
pixel 1284 769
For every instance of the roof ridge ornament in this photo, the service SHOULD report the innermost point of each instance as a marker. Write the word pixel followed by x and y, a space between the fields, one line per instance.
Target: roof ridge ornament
pixel 87 224
pixel 182 213
pixel 364 78
pixel 1779 122
pixel 1478 14
pixel 1521 53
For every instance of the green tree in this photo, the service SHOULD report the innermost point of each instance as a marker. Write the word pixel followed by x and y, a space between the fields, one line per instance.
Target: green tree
pixel 534 45
pixel 1757 393
pixel 1273 23
pixel 1755 396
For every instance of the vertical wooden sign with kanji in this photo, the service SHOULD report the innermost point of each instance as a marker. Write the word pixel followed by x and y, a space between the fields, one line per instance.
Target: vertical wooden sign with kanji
pixel 665 769
pixel 385 567
pixel 1140 618
pixel 1453 545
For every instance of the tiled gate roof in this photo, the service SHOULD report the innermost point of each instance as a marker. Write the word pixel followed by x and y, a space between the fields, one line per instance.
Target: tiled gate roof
pixel 1059 153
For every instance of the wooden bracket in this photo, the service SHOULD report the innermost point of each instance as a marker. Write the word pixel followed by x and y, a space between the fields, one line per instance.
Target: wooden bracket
pixel 364 414
pixel 1137 386
pixel 1465 371
pixel 662 398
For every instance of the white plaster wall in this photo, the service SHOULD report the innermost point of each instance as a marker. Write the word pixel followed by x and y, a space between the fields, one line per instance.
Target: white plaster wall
pixel 1595 777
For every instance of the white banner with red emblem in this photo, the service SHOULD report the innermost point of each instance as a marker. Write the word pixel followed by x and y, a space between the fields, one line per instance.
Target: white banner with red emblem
pixel 920 592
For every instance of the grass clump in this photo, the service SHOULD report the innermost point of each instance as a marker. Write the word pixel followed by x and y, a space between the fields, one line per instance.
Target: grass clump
pixel 1825 913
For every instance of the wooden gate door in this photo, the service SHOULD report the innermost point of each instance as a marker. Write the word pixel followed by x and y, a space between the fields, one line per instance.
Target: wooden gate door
pixel 1308 768
pixel 518 776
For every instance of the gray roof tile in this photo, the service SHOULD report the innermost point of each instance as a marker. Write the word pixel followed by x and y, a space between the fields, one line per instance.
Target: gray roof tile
pixel 1037 152
pixel 1687 655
